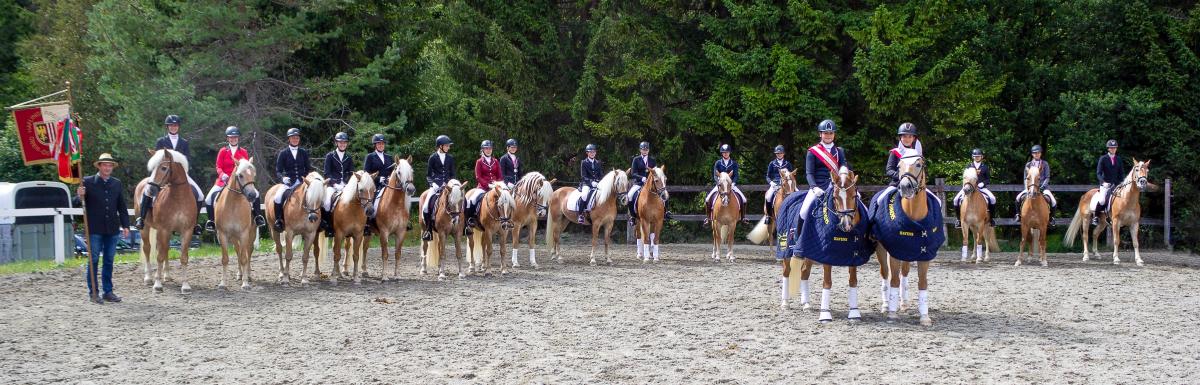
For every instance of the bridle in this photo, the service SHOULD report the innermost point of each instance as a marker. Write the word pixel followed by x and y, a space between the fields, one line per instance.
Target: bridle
pixel 241 187
pixel 367 201
pixel 918 180
pixel 832 198
pixel 167 177
pixel 505 220
pixel 723 190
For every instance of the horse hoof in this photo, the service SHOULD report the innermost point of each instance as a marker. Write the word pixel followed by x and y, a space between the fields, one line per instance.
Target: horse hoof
pixel 1018 263
pixel 1140 264
pixel 461 276
pixel 1045 264
pixel 1115 262
pixel 903 307
pixel 220 286
pixel 825 317
pixel 357 281
pixel 1085 258
pixel 806 306
pixel 892 317
pixel 926 321
pixel 610 262
pixel 245 287
pixel 535 266
pixel 303 281
pixel 185 289
pixel 593 262
pixel 148 281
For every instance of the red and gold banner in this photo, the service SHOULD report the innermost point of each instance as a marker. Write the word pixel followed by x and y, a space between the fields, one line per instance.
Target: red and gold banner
pixel 36 128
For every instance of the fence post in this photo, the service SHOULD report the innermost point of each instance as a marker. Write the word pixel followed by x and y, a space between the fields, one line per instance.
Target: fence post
pixel 1167 215
pixel 941 191
pixel 60 255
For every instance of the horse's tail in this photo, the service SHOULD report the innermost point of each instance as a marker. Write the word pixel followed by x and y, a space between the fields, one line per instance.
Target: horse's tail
pixel 433 254
pixel 990 237
pixel 476 249
pixel 551 239
pixel 760 233
pixel 1073 229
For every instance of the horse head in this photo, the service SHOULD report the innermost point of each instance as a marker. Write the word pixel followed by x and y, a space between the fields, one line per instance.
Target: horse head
pixel 657 179
pixel 504 203
pixel 1033 174
pixel 912 175
pixel 365 191
pixel 243 179
pixel 724 187
pixel 402 176
pixel 970 179
pixel 166 167
pixel 454 199
pixel 620 185
pixel 1141 174
pixel 844 197
pixel 787 182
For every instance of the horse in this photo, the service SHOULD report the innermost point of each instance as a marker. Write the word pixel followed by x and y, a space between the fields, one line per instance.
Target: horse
pixel 1125 209
pixel 726 214
pixel 611 189
pixel 1035 217
pixel 174 210
pixel 651 207
pixel 766 226
pixel 447 211
pixel 849 233
pixel 350 213
pixel 532 193
pixel 973 215
pixel 301 217
pixel 495 218
pixel 235 222
pixel 914 236
pixel 391 215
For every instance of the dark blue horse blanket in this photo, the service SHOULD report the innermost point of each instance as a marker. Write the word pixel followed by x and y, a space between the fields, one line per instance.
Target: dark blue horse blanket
pixel 787 218
pixel 904 238
pixel 822 241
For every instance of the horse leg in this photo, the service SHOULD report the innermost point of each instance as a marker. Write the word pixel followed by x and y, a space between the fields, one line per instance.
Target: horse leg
pixel 854 314
pixel 893 293
pixel 826 285
pixel 161 260
pixel 716 241
pixel 966 230
pixel 904 268
pixel 458 255
pixel 306 245
pixel 607 234
pixel 146 251
pixel 1116 240
pixel 595 234
pixel 337 258
pixel 224 240
pixel 243 254
pixel 654 243
pixel 1021 245
pixel 515 233
pixel 980 242
pixel 533 241
pixel 729 241
pixel 185 238
pixel 1086 234
pixel 359 258
pixel 1096 237
pixel 1042 243
pixel 923 292
pixel 1133 233
pixel 805 270
pixel 383 249
pixel 783 282
pixel 884 279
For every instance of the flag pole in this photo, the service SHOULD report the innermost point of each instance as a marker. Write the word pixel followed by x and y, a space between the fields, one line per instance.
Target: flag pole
pixel 87 231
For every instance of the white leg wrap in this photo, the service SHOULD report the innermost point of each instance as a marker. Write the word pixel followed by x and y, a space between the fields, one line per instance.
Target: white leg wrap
pixel 883 290
pixel 923 302
pixel 825 300
pixel 964 252
pixel 893 299
pixel 903 288
pixel 639 247
pixel 803 291
pixel 978 251
pixel 783 292
pixel 655 252
pixel 853 300
pixel 514 257
pixel 532 256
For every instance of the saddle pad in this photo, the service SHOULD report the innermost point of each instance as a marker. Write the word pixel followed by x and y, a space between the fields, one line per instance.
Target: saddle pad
pixel 904 238
pixel 572 199
pixel 474 197
pixel 823 242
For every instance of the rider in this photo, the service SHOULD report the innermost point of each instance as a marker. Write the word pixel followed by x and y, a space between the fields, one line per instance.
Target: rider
pixel 909 145
pixel 983 175
pixel 590 172
pixel 487 170
pixel 227 160
pixel 1110 170
pixel 640 169
pixel 172 141
pixel 823 158
pixel 291 166
pixel 440 171
pixel 339 166
pixel 1043 180
pixel 378 162
pixel 730 166
pixel 773 178
pixel 510 167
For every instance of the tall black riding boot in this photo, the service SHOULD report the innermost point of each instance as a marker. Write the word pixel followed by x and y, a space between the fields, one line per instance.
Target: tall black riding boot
pixel 146 205
pixel 278 217
pixel 260 218
pixel 992 214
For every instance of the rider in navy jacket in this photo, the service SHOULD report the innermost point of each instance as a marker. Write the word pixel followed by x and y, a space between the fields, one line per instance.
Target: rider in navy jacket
pixel 1110 171
pixel 440 170
pixel 591 170
pixel 773 178
pixel 725 164
pixel 638 171
pixel 291 166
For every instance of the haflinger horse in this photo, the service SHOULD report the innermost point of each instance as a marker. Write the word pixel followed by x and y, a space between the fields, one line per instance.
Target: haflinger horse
pixel 391 214
pixel 495 219
pixel 725 215
pixel 973 215
pixel 301 218
pixel 651 208
pixel 1124 209
pixel 174 211
pixel 532 193
pixel 611 190
pixel 908 228
pixel 350 213
pixel 447 212
pixel 234 220
pixel 1035 217
pixel 766 226
pixel 836 234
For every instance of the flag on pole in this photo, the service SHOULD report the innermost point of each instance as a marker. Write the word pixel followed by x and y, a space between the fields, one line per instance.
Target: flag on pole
pixel 67 141
pixel 36 126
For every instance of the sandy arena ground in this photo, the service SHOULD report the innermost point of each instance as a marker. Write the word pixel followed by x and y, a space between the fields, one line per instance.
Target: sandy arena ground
pixel 684 320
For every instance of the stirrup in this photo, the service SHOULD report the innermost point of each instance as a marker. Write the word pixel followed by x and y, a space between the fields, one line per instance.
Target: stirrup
pixel 426 235
pixel 138 223
pixel 278 225
pixel 580 219
pixel 210 226
pixel 259 221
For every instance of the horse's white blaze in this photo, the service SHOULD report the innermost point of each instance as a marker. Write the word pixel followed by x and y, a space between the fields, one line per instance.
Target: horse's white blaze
pixel 157 159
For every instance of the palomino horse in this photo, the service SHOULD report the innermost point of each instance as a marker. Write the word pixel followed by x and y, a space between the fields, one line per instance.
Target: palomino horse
pixel 391 217
pixel 651 207
pixel 301 215
pixel 913 233
pixel 532 194
pixel 447 212
pixel 174 212
pixel 766 226
pixel 844 245
pixel 235 223
pixel 350 213
pixel 1035 217
pixel 726 214
pixel 973 215
pixel 611 189
pixel 495 218
pixel 1125 209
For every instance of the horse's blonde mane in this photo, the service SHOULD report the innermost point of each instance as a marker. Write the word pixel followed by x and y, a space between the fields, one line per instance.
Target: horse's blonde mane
pixel 349 190
pixel 604 190
pixel 970 176
pixel 658 172
pixel 455 196
pixel 530 186
pixel 403 170
pixel 157 159
pixel 1129 178
pixel 506 197
pixel 242 165
pixel 316 189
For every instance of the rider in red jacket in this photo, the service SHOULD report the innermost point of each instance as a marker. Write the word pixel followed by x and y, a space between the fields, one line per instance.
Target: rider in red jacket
pixel 487 168
pixel 227 160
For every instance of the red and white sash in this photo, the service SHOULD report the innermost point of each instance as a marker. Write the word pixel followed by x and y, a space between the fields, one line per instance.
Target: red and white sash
pixel 830 160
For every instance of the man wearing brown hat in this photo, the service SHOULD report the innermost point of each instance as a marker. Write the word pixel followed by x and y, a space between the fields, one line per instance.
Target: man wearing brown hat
pixel 106 217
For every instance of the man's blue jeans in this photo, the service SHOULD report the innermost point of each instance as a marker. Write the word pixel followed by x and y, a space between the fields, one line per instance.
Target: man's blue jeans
pixel 105 245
